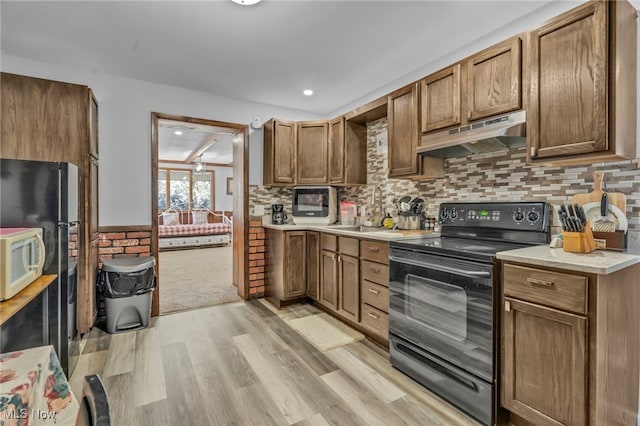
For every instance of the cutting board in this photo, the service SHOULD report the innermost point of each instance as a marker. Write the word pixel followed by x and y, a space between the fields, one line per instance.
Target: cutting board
pixel 618 199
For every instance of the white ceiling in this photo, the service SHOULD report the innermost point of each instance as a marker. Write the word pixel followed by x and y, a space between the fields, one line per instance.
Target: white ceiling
pixel 268 53
pixel 175 147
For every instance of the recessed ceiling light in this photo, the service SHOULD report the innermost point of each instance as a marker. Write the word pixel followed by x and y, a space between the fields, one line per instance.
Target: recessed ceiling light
pixel 246 2
pixel 308 92
pixel 178 133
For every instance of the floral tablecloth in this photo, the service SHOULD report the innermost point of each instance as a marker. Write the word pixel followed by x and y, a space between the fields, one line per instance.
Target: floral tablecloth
pixel 34 390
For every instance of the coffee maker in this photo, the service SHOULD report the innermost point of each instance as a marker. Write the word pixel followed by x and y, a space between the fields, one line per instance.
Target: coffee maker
pixel 278 216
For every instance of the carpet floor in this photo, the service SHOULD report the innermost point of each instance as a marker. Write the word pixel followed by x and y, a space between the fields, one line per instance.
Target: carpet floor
pixel 195 278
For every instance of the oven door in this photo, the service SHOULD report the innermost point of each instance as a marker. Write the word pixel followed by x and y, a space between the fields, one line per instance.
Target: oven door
pixel 444 306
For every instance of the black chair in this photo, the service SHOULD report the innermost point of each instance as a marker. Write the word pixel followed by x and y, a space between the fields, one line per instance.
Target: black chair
pixel 94 407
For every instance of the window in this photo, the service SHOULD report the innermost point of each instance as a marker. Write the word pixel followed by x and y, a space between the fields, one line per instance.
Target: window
pixel 185 190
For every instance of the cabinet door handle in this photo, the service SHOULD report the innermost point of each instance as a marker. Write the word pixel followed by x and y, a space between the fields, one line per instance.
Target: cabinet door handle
pixel 507 306
pixel 375 249
pixel 373 291
pixel 375 270
pixel 339 258
pixel 374 316
pixel 540 282
pixel 333 257
pixel 533 151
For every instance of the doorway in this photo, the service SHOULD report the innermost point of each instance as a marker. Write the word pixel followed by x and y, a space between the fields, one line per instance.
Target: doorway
pixel 199 208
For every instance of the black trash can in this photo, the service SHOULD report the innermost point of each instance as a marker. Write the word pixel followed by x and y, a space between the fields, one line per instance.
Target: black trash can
pixel 127 285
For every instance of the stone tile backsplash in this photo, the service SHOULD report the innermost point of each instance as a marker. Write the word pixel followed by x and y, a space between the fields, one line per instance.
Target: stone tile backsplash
pixel 496 176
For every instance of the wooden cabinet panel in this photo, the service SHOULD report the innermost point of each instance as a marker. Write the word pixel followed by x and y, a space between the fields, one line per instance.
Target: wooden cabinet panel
pixel 375 295
pixel 568 84
pixel 349 280
pixel 295 284
pixel 43 120
pixel 376 251
pixel 544 365
pixel 279 167
pixel 313 140
pixel 375 320
pixel 93 125
pixel 336 151
pixel 349 246
pixel 493 80
pixel 554 289
pixel 375 272
pixel 93 198
pixel 329 242
pixel 440 99
pixel 87 307
pixel 355 148
pixel 403 130
pixel 313 264
pixel 329 279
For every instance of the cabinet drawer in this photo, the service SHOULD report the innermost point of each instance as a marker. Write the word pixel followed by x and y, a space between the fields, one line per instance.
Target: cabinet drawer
pixel 375 320
pixel 349 246
pixel 374 250
pixel 375 295
pixel 554 289
pixel 329 242
pixel 376 272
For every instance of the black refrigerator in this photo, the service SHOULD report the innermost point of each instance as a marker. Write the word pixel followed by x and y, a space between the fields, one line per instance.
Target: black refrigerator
pixel 44 195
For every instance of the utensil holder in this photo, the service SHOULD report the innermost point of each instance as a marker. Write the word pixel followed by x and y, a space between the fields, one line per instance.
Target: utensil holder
pixel 579 242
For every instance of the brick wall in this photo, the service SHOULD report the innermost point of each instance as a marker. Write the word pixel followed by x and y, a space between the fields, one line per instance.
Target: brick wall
pixel 124 244
pixel 256 258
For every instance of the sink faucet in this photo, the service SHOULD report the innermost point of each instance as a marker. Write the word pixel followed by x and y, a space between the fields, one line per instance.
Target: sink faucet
pixel 373 202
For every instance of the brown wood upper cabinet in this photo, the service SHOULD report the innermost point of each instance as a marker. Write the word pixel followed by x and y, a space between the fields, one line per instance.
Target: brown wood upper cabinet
pixel 494 80
pixel 347 152
pixel 279 167
pixel 313 141
pixel 403 132
pixel 582 85
pixel 441 99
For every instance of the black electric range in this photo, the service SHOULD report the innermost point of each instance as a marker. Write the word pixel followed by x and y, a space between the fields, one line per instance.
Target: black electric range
pixel 441 296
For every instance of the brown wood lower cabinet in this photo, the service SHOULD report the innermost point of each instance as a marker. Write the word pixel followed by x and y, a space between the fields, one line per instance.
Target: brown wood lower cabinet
pixel 313 264
pixel 285 275
pixel 349 284
pixel 570 344
pixel 329 279
pixel 545 364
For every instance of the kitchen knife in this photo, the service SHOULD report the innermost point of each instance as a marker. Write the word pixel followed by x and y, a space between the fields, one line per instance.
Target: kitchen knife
pixel 565 221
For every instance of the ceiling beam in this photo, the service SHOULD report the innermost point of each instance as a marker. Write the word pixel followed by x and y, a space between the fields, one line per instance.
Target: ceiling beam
pixel 189 164
pixel 201 148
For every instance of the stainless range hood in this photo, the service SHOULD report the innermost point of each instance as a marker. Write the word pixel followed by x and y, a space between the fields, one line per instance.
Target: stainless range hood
pixel 493 134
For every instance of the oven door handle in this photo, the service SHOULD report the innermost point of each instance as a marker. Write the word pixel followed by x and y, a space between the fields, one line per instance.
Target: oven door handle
pixel 475 274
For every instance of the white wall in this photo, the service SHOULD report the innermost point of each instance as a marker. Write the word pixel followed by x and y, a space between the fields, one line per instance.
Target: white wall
pixel 125 107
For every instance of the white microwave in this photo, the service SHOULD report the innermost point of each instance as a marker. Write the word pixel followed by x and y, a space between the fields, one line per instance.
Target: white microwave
pixel 314 205
pixel 22 257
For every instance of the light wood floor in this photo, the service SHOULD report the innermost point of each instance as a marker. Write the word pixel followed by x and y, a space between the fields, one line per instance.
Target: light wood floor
pixel 242 364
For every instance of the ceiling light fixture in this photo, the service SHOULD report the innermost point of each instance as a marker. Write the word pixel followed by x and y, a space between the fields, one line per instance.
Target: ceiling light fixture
pixel 307 92
pixel 246 2
pixel 178 133
pixel 199 166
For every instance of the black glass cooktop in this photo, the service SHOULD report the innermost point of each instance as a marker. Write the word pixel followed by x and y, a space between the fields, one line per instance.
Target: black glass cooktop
pixel 459 247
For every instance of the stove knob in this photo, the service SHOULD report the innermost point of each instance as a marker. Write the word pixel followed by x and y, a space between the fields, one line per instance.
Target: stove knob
pixel 518 216
pixel 533 216
pixel 444 214
pixel 453 214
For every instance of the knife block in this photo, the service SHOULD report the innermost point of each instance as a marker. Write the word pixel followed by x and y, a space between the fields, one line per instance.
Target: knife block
pixel 579 242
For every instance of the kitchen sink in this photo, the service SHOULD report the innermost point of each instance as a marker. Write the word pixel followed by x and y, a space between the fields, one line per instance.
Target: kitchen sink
pixel 362 228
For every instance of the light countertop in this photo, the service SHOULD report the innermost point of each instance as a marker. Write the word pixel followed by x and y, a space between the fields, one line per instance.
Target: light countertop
pixel 382 235
pixel 598 262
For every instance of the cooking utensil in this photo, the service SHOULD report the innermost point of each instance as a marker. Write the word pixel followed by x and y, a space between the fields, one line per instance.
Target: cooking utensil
pixel 604 224
pixel 592 212
pixel 617 199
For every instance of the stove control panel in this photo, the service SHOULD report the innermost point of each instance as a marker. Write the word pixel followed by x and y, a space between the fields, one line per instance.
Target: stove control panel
pixel 517 215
